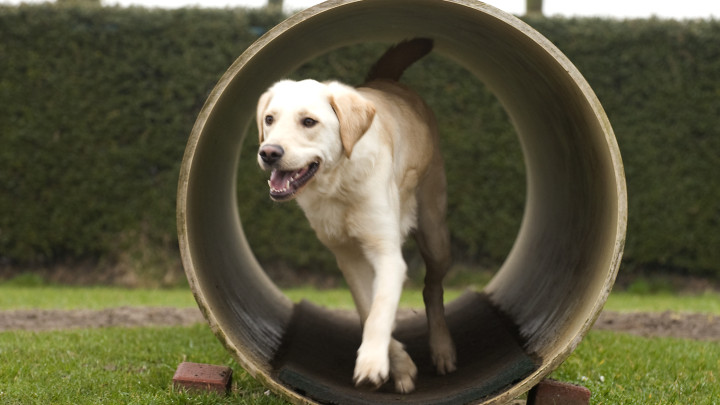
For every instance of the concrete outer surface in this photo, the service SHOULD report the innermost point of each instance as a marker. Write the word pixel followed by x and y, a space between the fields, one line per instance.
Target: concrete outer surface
pixel 563 264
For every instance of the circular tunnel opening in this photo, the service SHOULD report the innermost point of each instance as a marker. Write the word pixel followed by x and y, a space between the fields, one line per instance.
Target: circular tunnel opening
pixel 540 303
pixel 486 186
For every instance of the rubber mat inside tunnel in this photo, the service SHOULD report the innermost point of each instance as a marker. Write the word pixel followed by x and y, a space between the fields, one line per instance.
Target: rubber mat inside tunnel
pixel 317 356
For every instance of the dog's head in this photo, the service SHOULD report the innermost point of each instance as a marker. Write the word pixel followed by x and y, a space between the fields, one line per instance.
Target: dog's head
pixel 306 127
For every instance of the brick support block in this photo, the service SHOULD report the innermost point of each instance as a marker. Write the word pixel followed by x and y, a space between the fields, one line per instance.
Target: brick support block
pixel 203 377
pixel 551 392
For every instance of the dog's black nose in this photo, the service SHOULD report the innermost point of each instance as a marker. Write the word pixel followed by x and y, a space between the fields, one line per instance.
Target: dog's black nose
pixel 270 154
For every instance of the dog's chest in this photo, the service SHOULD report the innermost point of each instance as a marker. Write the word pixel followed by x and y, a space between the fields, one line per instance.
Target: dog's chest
pixel 328 218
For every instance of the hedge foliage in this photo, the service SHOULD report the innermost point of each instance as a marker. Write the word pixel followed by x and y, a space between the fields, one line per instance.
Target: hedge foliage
pixel 97 105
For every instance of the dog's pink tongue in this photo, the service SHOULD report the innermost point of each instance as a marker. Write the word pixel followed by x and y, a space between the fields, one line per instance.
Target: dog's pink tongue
pixel 279 179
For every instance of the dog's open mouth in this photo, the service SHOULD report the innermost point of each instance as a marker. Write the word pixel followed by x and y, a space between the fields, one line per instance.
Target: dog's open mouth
pixel 284 185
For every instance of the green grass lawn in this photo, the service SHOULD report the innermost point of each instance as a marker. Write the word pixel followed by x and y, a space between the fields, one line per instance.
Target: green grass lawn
pixel 707 303
pixel 625 369
pixel 113 366
pixel 136 365
pixel 62 297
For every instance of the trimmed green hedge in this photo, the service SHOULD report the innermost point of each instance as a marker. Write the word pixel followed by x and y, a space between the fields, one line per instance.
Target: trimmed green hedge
pixel 97 105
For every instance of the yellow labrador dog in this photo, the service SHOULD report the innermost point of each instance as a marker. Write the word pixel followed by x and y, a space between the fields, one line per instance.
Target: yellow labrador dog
pixel 364 164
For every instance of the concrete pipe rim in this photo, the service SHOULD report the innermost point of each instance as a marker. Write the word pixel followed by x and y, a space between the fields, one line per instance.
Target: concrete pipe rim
pixel 566 255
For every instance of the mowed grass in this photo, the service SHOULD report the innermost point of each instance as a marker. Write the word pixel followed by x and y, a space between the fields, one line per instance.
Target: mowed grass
pixel 625 369
pixel 706 303
pixel 136 365
pixel 114 366
pixel 65 297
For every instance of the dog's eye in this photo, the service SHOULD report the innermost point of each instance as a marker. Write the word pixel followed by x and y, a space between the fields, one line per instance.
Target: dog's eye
pixel 269 119
pixel 309 122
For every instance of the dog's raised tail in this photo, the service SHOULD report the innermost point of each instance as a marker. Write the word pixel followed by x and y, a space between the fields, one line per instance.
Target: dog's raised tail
pixel 395 60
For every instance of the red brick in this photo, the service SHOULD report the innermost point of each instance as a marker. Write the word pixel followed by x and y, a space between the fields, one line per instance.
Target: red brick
pixel 205 377
pixel 551 392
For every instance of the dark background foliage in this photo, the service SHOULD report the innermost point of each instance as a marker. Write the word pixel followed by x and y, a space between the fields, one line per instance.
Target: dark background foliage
pixel 97 105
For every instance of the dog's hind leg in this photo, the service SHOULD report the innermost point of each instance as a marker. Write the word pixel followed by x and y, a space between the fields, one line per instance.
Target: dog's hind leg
pixel 433 239
pixel 360 276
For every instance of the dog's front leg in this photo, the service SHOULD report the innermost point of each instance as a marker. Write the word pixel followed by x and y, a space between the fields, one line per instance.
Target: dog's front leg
pixel 360 276
pixel 373 361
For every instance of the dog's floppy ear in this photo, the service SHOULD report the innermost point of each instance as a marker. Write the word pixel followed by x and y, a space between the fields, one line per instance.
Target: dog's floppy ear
pixel 260 113
pixel 354 112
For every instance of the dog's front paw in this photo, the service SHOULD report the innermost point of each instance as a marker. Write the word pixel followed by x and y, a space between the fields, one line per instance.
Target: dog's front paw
pixel 371 367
